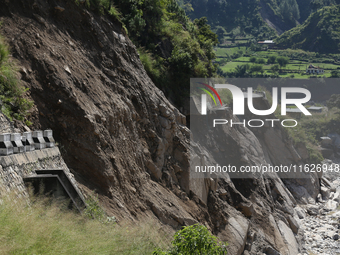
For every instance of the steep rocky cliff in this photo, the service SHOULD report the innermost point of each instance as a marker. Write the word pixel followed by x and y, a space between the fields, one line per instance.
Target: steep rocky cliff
pixel 122 138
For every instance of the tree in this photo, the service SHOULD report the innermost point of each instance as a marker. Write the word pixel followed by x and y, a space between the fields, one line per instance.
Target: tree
pixel 283 61
pixel 252 59
pixel 275 68
pixel 256 69
pixel 241 70
pixel 335 74
pixel 220 31
pixel 289 10
pixel 260 61
pixel 271 60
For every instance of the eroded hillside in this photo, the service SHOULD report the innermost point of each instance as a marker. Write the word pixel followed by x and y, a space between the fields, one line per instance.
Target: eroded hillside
pixel 122 138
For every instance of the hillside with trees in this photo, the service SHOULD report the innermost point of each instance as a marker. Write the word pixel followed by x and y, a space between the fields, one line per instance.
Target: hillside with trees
pixel 319 33
pixel 172 47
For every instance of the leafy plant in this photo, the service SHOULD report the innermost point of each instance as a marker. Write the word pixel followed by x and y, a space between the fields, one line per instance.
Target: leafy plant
pixel 194 240
pixel 93 209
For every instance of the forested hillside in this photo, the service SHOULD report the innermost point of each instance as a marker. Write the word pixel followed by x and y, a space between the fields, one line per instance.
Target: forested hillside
pixel 320 32
pixel 258 18
pixel 230 15
pixel 171 46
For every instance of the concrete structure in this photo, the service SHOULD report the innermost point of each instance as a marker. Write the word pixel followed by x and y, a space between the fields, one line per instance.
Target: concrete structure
pixel 6 147
pixel 14 168
pixel 314 70
pixel 38 140
pixel 57 184
pixel 29 143
pixel 269 43
pixel 326 142
pixel 18 147
pixel 49 140
pixel 315 109
pixel 15 143
pixel 294 112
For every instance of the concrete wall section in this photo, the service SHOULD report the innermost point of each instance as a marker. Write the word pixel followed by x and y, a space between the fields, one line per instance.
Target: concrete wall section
pixel 16 166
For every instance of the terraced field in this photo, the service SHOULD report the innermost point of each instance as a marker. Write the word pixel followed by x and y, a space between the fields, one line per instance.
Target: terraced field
pixel 230 57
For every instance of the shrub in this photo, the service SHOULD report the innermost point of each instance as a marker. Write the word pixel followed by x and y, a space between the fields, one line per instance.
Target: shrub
pixel 252 59
pixel 150 65
pixel 271 60
pixel 93 209
pixel 256 68
pixel 195 239
pixel 260 61
pixel 275 68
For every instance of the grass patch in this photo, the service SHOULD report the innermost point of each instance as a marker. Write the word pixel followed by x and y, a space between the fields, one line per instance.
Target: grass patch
pixel 12 101
pixel 45 228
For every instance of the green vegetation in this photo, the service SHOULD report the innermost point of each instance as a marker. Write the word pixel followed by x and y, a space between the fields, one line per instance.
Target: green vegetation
pixel 12 101
pixel 93 209
pixel 320 32
pixel 239 18
pixel 195 239
pixel 44 228
pixel 334 101
pixel 289 11
pixel 311 128
pixel 172 48
pixel 275 63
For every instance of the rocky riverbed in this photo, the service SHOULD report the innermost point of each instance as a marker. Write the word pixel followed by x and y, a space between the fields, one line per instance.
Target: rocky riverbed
pixel 321 222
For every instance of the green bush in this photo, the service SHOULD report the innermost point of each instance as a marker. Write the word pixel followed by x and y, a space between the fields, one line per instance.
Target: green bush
pixel 275 68
pixel 93 209
pixel 252 59
pixel 271 60
pixel 151 65
pixel 260 61
pixel 192 240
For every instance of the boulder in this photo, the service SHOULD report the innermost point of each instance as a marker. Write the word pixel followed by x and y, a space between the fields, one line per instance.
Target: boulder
pixel 300 212
pixel 336 197
pixel 236 230
pixel 325 192
pixel 313 209
pixel 294 225
pixel 289 237
pixel 331 205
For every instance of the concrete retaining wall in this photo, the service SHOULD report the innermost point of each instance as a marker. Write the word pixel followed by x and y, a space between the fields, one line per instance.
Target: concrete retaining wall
pixel 14 167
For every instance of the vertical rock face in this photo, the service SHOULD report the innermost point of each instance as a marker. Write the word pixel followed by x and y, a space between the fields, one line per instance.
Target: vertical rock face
pixel 121 137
